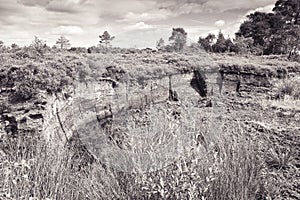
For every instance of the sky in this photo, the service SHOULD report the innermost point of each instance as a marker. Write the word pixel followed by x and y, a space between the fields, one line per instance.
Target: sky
pixel 134 23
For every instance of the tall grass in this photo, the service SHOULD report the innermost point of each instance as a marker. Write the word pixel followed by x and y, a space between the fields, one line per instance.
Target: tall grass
pixel 288 87
pixel 30 169
pixel 232 170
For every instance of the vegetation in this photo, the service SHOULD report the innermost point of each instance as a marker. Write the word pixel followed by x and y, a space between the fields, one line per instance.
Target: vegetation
pixel 160 45
pixel 63 42
pixel 240 165
pixel 178 39
pixel 256 155
pixel 263 33
pixel 38 45
pixel 207 42
pixel 288 87
pixel 31 169
pixel 28 75
pixel 106 38
pixel 274 33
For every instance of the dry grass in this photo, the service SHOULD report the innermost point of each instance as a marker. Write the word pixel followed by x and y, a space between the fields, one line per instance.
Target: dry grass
pixel 31 170
pixel 288 87
pixel 287 103
pixel 232 170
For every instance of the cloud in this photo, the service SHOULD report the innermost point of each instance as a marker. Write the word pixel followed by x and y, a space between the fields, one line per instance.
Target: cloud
pixel 139 26
pixel 67 30
pixel 220 23
pixel 119 9
pixel 34 2
pixel 224 5
pixel 266 9
pixel 146 16
pixel 68 6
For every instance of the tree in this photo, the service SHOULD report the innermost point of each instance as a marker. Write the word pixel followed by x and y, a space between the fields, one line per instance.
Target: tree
pixel 178 39
pixel 14 46
pixel 160 45
pixel 38 45
pixel 242 45
pixel 229 44
pixel 2 47
pixel 257 26
pixel 207 42
pixel 63 42
pixel 274 33
pixel 220 45
pixel 106 38
pixel 289 10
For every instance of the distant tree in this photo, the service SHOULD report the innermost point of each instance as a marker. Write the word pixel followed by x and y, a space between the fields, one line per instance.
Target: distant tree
pixel 229 45
pixel 54 47
pixel 195 47
pixel 220 45
pixel 207 42
pixel 178 39
pixel 106 38
pixel 242 45
pixel 160 45
pixel 38 45
pixel 63 42
pixel 2 47
pixel 14 46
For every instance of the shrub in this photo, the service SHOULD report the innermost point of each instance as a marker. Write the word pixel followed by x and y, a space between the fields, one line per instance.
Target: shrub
pixel 278 158
pixel 23 92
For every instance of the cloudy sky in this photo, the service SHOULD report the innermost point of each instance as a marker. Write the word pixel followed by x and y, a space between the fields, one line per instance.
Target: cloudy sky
pixel 135 23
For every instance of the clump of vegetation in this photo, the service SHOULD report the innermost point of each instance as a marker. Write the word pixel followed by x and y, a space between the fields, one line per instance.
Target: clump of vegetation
pixel 288 87
pixel 279 158
pixel 27 77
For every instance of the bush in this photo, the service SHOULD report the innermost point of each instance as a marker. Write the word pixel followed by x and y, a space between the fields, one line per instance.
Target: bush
pixel 23 92
pixel 26 76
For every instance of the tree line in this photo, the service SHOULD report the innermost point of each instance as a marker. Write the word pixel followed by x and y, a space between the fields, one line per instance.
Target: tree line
pixel 261 33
